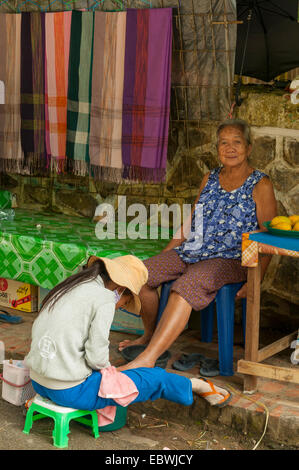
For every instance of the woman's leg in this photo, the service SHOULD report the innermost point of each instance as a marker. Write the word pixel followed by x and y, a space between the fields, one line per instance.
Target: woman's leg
pixel 150 303
pixel 173 321
pixel 194 289
pixel 163 267
pixel 154 383
pixel 151 383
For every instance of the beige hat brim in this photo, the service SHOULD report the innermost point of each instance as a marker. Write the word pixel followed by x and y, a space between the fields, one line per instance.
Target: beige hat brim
pixel 118 272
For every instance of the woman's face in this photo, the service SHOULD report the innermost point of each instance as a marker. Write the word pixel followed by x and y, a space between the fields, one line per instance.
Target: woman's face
pixel 233 149
pixel 123 301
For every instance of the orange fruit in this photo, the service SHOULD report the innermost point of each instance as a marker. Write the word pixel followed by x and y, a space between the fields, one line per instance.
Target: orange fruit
pixel 280 219
pixel 283 226
pixel 294 219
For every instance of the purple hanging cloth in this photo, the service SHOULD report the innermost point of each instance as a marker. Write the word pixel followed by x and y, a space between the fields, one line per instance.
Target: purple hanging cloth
pixel 146 99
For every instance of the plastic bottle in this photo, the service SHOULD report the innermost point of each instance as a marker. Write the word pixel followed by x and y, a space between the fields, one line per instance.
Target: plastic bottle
pixel 7 214
pixel 2 352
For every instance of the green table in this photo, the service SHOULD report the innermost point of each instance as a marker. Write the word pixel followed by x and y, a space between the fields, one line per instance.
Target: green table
pixel 46 255
pixel 5 199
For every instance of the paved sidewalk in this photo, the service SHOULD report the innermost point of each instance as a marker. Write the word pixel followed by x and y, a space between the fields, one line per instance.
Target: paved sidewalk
pixel 275 403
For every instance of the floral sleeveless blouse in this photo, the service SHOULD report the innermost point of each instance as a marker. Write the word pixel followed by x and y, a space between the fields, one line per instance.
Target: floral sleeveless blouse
pixel 226 215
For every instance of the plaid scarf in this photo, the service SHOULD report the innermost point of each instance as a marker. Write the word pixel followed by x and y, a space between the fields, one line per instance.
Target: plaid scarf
pixel 79 92
pixel 146 100
pixel 32 90
pixel 57 38
pixel 107 94
pixel 11 155
pixel 94 92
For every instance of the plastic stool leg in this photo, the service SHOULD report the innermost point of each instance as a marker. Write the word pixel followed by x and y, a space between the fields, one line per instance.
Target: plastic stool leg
pixel 28 420
pixel 61 430
pixel 95 424
pixel 207 323
pixel 163 299
pixel 225 303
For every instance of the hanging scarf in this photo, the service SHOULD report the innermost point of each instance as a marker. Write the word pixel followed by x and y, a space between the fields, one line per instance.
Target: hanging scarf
pixel 146 101
pixel 57 41
pixel 32 90
pixel 107 95
pixel 11 155
pixel 79 92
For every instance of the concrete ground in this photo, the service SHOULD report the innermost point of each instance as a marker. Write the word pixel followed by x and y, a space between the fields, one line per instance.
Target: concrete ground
pixel 269 419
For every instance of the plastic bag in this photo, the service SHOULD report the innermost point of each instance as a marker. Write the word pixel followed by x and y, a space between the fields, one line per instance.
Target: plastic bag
pixel 7 214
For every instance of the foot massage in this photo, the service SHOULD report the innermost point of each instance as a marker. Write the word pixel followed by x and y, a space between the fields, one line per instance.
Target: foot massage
pixel 69 353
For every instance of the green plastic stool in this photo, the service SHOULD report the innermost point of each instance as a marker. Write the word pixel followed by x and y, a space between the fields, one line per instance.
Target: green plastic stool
pixel 62 416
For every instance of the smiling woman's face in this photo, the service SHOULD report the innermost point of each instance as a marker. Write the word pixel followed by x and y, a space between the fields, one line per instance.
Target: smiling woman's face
pixel 233 149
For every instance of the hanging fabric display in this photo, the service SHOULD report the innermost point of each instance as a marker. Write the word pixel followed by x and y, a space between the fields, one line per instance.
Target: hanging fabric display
pixel 131 94
pixel 107 95
pixel 79 92
pixel 57 38
pixel 33 90
pixel 86 92
pixel 146 99
pixel 11 155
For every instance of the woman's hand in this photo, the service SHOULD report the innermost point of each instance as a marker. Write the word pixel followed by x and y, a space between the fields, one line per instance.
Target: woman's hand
pixel 242 292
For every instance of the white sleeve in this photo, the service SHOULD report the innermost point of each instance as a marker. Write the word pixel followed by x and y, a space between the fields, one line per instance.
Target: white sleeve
pixel 97 344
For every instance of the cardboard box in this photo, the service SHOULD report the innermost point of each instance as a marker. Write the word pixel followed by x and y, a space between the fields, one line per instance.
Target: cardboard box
pixel 42 293
pixel 18 295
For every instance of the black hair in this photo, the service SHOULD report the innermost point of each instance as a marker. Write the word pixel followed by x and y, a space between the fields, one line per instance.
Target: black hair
pixel 242 125
pixel 87 274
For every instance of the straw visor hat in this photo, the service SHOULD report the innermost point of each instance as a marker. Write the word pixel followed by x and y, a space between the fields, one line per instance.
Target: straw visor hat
pixel 127 271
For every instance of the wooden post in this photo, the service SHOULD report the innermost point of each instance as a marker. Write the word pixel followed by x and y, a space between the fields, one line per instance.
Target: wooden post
pixel 252 323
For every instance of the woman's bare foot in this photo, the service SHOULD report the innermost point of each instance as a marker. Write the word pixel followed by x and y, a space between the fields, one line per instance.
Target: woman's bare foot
pixel 140 361
pixel 128 342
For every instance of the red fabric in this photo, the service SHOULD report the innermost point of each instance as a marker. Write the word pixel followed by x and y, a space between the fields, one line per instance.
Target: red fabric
pixel 120 388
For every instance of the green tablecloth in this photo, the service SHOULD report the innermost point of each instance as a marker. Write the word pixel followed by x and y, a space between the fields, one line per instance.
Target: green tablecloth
pixel 5 199
pixel 47 255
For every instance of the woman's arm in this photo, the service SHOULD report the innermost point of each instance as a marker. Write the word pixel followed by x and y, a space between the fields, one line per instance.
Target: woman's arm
pixel 266 209
pixel 179 237
pixel 97 343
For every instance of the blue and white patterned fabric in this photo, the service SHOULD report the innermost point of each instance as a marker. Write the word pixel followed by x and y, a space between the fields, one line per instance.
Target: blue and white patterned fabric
pixel 226 215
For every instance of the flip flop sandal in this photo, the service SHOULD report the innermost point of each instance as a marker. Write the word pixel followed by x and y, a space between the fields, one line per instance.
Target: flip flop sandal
pixel 131 352
pixel 188 361
pixel 7 317
pixel 220 404
pixel 209 368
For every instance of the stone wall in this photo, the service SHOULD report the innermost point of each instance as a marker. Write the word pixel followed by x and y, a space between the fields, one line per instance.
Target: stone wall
pixel 191 153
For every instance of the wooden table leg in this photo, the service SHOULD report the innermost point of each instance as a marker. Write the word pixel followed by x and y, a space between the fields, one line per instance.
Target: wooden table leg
pixel 252 324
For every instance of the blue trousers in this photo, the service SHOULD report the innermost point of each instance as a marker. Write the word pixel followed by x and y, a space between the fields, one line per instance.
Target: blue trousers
pixel 152 383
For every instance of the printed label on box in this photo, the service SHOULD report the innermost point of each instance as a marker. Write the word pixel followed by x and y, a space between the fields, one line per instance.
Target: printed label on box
pixel 18 295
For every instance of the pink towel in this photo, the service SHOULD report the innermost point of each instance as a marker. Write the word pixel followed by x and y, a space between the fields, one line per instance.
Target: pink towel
pixel 120 387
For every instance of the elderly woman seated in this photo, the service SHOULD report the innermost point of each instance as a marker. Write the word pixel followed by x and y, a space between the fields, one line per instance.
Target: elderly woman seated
pixel 234 198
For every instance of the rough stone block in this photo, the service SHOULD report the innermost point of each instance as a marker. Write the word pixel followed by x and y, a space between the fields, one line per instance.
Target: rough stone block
pixel 36 194
pixel 283 178
pixel 83 204
pixel 291 151
pixel 263 151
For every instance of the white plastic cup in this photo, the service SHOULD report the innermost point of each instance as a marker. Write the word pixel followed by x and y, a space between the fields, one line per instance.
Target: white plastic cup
pixel 2 352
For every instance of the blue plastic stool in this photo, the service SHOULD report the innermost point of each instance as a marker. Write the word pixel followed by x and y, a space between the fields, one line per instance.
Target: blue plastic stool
pixel 225 307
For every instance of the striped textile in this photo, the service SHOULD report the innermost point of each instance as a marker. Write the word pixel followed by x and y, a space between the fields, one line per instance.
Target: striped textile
pixel 11 155
pixel 79 92
pixel 146 101
pixel 57 41
pixel 32 90
pixel 107 95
